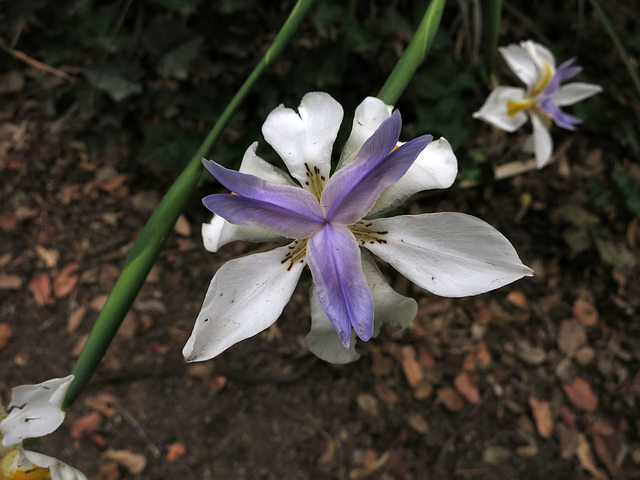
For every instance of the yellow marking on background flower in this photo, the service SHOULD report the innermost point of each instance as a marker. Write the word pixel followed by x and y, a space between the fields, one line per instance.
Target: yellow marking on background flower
pixel 543 81
pixel 12 467
pixel 514 108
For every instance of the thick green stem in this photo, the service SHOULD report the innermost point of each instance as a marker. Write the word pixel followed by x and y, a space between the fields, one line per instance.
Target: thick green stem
pixel 148 245
pixel 492 18
pixel 413 55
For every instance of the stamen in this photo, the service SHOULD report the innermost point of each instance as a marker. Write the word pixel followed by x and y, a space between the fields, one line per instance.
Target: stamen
pixel 314 181
pixel 297 253
pixel 513 108
pixel 365 235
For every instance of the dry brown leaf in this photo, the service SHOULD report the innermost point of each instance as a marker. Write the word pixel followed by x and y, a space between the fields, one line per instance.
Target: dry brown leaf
pixel 134 462
pixel 583 452
pixel 40 286
pixel 478 358
pixel 585 312
pixel 6 332
pixel 103 403
pixel 467 388
pixel 517 298
pixel 182 226
pixel 75 319
pixel 176 450
pixel 368 404
pixel 386 393
pixel 8 220
pixel 66 280
pixel 580 394
pixel 50 257
pixel 410 366
pixel 451 399
pixel 98 302
pixel 86 426
pixel 10 282
pixel 370 468
pixel 571 337
pixel 606 452
pixel 108 471
pixel 329 454
pixel 423 391
pixel 112 183
pixel 418 422
pixel 542 415
pixel 381 365
pixel 218 383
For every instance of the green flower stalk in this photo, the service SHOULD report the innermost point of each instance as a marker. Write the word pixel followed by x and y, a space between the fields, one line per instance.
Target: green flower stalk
pixel 414 54
pixel 147 246
pixel 492 18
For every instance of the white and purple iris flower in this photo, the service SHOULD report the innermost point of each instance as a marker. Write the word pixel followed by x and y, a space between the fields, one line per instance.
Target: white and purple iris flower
pixel 507 107
pixel 332 221
pixel 34 411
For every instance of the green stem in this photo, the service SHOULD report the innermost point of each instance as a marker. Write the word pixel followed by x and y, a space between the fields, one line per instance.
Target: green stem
pixel 492 17
pixel 413 55
pixel 150 241
pixel 633 72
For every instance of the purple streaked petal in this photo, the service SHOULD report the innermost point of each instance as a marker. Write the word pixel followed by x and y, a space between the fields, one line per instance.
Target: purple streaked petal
pixel 334 259
pixel 563 73
pixel 245 211
pixel 353 191
pixel 245 185
pixel 562 119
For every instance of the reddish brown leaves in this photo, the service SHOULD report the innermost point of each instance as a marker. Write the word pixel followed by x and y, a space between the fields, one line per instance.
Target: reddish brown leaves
pixel 467 388
pixel 585 312
pixel 6 332
pixel 580 394
pixel 66 280
pixel 450 399
pixel 40 286
pixel 542 415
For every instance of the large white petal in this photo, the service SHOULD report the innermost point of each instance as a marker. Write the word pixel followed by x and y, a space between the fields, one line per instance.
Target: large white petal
pixel 368 117
pixel 520 63
pixel 59 470
pixel 542 142
pixel 305 139
pixel 574 92
pixel 390 308
pixel 435 167
pixel 449 254
pixel 35 410
pixel 540 54
pixel 494 110
pixel 245 297
pixel 220 232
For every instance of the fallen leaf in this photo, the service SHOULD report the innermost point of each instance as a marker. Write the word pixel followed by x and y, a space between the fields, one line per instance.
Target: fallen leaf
pixel 103 403
pixel 411 367
pixel 86 426
pixel 108 471
pixel 370 468
pixel 368 404
pixel 569 441
pixel 386 393
pixel 8 220
pixel 134 462
pixel 218 383
pixel 98 302
pixel 329 454
pixel 542 415
pixel 478 358
pixel 467 388
pixel 495 454
pixel 423 391
pixel 66 280
pixel 418 422
pixel 182 226
pixel 6 332
pixel 50 257
pixel 112 183
pixel 571 337
pixel 75 319
pixel 580 394
pixel 451 399
pixel 10 282
pixel 529 354
pixel 176 450
pixel 606 452
pixel 381 365
pixel 40 286
pixel 585 312
pixel 583 452
pixel 517 298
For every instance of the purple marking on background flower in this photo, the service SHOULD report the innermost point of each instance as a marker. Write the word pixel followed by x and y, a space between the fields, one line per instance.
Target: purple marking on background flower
pixel 562 119
pixel 334 259
pixel 284 219
pixel 244 185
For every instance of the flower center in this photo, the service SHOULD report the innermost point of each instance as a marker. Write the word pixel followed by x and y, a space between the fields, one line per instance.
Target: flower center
pixel 297 252
pixel 542 81
pixel 363 233
pixel 314 181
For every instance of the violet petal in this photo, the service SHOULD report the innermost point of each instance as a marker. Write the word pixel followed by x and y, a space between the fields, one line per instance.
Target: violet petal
pixel 286 221
pixel 334 259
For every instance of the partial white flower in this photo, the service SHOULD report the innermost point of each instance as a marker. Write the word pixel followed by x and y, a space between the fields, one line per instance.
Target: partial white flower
pixel 34 411
pixel 508 107
pixel 330 224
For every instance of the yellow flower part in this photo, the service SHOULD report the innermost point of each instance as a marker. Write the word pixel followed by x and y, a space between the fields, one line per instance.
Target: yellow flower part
pixel 514 108
pixel 14 466
pixel 542 81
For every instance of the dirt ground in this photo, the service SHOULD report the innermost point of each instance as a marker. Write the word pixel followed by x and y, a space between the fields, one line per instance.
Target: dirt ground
pixel 539 379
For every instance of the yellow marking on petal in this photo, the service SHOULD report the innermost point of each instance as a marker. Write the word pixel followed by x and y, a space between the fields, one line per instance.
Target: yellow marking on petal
pixel 363 233
pixel 13 467
pixel 297 254
pixel 394 148
pixel 315 180
pixel 514 108
pixel 543 81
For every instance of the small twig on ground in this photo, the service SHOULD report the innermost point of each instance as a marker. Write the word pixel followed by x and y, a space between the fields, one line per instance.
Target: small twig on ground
pixel 4 45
